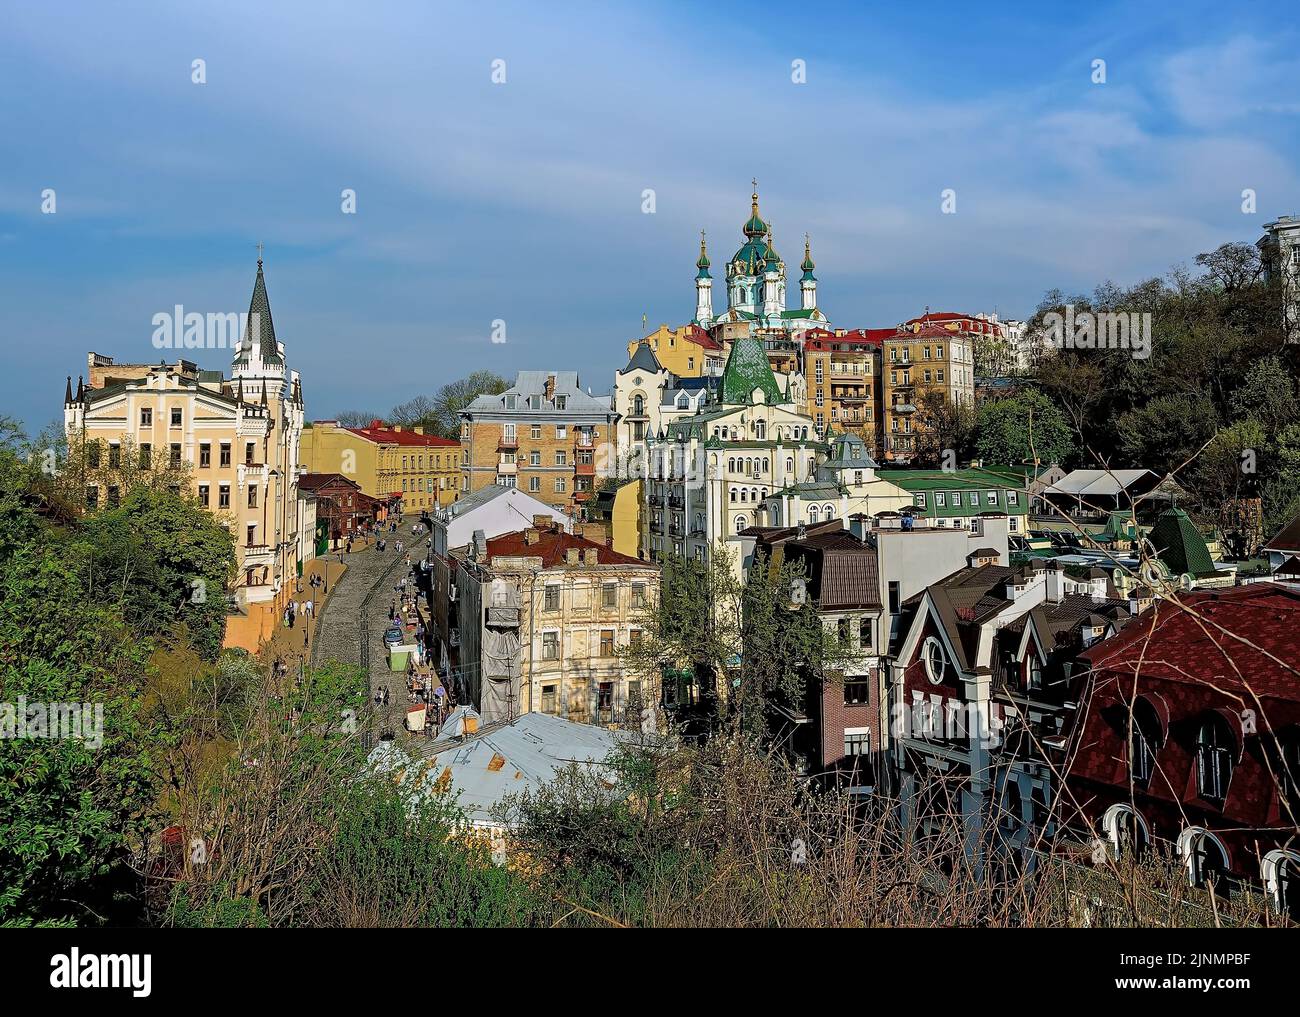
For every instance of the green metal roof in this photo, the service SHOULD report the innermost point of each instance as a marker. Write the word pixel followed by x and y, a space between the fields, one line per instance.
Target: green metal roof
pixel 941 480
pixel 1180 546
pixel 748 369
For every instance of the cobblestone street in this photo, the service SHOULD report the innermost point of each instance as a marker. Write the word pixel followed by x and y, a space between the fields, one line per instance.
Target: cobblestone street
pixel 351 628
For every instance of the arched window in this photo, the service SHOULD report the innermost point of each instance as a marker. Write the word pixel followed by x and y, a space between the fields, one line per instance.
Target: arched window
pixel 1145 740
pixel 731 465
pixel 1126 831
pixel 767 465
pixel 1281 872
pixel 1205 857
pixel 1214 750
pixel 742 522
pixel 638 405
pixel 829 510
pixel 812 514
pixel 760 429
pixel 789 464
pixel 744 494
pixel 732 493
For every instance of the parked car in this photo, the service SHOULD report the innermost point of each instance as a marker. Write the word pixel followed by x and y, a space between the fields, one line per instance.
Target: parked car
pixel 394 636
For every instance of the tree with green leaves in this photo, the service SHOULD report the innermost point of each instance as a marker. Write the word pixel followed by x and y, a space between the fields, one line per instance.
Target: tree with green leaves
pixel 1268 395
pixel 1024 428
pixel 165 563
pixel 72 809
pixel 1166 433
pixel 742 643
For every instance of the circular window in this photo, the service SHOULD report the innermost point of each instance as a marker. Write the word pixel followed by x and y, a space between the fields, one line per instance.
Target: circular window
pixel 932 655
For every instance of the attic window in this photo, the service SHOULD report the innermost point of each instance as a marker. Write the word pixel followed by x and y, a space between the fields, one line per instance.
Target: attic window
pixel 935 664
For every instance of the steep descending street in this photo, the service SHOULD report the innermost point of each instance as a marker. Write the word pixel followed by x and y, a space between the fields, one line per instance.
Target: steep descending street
pixel 351 628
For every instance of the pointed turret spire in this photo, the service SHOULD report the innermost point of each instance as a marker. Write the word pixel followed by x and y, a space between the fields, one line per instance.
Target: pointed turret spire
pixel 808 281
pixel 260 328
pixel 703 263
pixel 239 393
pixel 755 226
pixel 263 397
pixel 81 389
pixel 770 257
pixel 67 392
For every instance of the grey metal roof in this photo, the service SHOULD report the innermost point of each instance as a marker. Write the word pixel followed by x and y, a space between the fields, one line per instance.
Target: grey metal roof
pixel 502 760
pixel 533 383
pixel 643 359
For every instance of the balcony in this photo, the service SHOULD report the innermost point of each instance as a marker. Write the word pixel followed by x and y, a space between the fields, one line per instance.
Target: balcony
pixel 507 469
pixel 507 444
pixel 676 501
pixel 655 500
pixel 584 441
pixel 904 408
pixel 584 469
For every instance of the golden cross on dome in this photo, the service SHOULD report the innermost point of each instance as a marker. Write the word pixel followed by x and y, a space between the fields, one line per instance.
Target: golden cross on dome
pixel 260 245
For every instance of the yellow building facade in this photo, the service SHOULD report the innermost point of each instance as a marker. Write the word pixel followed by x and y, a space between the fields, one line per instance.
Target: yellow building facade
pixel 237 438
pixel 689 351
pixel 386 461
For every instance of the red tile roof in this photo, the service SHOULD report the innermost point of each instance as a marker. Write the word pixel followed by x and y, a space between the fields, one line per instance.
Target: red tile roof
pixel 931 331
pixel 551 547
pixel 382 435
pixel 1288 538
pixel 821 339
pixel 967 322
pixel 1246 636
pixel 701 338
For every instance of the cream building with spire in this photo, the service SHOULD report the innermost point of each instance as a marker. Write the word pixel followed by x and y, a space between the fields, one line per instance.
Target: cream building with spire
pixel 240 438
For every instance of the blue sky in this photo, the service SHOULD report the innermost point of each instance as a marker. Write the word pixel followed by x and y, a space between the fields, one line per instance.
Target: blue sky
pixel 522 201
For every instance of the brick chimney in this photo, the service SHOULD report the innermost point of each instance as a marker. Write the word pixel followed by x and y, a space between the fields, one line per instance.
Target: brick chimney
pixel 531 536
pixel 542 521
pixel 571 556
pixel 595 532
pixel 550 386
